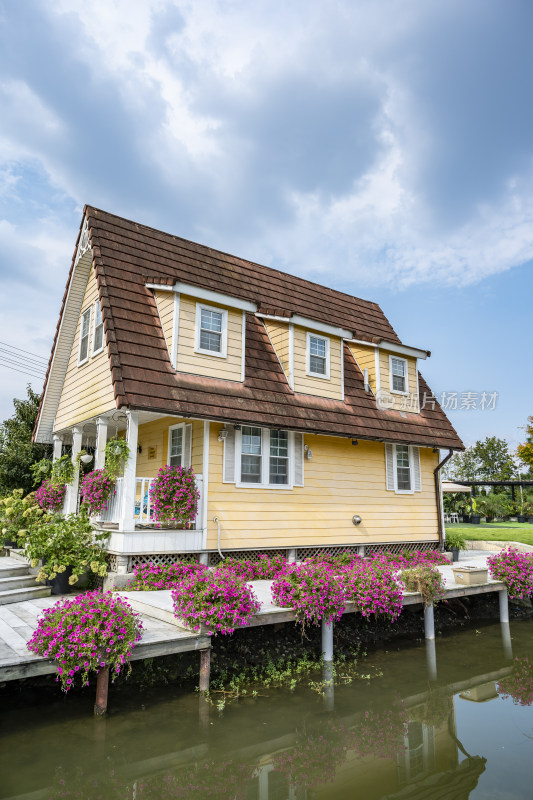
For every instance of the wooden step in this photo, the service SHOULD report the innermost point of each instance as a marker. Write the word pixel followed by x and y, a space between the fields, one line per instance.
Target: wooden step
pixel 28 593
pixel 17 582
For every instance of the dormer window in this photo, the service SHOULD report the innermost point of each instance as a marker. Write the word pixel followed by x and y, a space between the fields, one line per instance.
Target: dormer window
pixel 317 356
pixel 85 328
pixel 211 330
pixel 398 375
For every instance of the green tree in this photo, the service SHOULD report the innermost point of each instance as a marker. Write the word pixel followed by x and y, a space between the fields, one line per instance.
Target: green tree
pixel 17 451
pixel 488 460
pixel 525 451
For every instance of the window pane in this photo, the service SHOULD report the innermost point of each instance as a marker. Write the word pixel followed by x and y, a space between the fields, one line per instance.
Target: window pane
pixel 398 366
pixel 403 468
pixel 210 341
pixel 176 447
pixel 85 322
pixel 317 365
pixel 251 469
pixel 279 443
pixel 251 440
pixel 398 383
pixel 211 321
pixel 84 337
pixel 317 347
pixel 398 374
pixel 279 470
pixel 98 338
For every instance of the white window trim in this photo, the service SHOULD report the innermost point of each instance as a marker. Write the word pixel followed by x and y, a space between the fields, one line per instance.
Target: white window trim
pixel 183 453
pixel 84 361
pixel 265 458
pixel 224 336
pixel 411 471
pixel 308 356
pixel 95 352
pixel 395 391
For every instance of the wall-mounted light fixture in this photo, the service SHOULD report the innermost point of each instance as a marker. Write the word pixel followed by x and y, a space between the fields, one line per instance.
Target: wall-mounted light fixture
pixel 140 449
pixel 86 459
pixel 356 519
pixel 354 441
pixel 222 434
pixel 435 449
pixel 237 427
pixel 308 452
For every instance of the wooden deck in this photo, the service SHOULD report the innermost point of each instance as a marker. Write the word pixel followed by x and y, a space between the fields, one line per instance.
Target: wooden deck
pixel 162 635
pixel 19 620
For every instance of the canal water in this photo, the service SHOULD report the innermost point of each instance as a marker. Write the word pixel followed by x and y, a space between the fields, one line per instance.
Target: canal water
pixel 386 730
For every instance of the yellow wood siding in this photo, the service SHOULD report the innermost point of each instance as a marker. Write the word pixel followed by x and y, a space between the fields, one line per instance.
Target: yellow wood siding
pixel 399 402
pixel 153 439
pixel 340 481
pixel 320 387
pixel 366 359
pixel 199 363
pixel 279 336
pixel 87 389
pixel 165 307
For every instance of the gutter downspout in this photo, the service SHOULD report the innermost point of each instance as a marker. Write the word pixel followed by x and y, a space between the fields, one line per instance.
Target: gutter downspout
pixel 436 472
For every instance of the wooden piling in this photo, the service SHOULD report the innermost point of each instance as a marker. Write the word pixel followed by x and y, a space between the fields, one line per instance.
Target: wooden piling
pixel 102 690
pixel 205 669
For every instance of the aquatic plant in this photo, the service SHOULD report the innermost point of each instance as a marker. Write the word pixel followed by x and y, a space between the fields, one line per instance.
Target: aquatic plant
pixel 313 590
pixel 215 599
pixel 86 634
pixel 424 579
pixel 316 754
pixel 380 732
pixel 152 577
pixel 50 497
pixel 519 684
pixel 515 570
pixel 173 495
pixel 96 489
pixel 373 588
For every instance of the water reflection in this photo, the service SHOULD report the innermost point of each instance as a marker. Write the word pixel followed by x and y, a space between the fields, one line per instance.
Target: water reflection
pixel 393 738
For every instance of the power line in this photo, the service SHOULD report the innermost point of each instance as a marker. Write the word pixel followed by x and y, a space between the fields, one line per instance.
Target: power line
pixel 42 358
pixel 18 362
pixel 24 359
pixel 24 372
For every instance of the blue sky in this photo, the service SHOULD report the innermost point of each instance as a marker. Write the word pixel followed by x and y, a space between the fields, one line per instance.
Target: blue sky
pixel 381 147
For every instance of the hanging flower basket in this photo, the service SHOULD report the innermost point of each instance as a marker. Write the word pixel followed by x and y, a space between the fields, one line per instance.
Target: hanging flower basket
pixel 174 496
pixel 49 496
pixel 96 489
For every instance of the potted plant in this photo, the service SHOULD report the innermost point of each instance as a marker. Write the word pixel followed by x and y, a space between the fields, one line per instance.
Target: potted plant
pixel 455 541
pixel 475 518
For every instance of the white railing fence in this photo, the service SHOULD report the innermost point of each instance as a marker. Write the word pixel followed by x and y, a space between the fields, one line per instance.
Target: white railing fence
pixel 143 510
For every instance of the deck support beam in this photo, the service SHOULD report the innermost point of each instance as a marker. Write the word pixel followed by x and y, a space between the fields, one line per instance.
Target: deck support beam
pixel 101 441
pixel 429 622
pixel 291 555
pixel 431 659
pixel 504 605
pixel 127 511
pixel 205 669
pixel 506 640
pixel 327 640
pixel 102 691
pixel 71 497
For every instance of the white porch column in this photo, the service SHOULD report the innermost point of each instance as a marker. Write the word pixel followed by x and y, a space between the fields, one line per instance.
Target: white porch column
pixel 58 447
pixel 127 511
pixel 71 499
pixel 101 441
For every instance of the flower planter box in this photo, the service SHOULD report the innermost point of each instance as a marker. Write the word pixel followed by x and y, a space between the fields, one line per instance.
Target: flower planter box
pixel 202 631
pixel 469 576
pixel 480 694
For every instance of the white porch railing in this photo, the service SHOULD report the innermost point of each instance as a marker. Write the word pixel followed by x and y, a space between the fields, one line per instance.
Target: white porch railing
pixel 143 511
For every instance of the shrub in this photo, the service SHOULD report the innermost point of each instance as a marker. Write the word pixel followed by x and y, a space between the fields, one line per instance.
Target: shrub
pixel 313 590
pixel 264 568
pixel 424 579
pixel 86 634
pixel 216 599
pixel 49 496
pixel 410 558
pixel 373 588
pixel 151 577
pixel 96 489
pixel 519 684
pixel 515 570
pixel 173 495
pixel 63 542
pixel 17 514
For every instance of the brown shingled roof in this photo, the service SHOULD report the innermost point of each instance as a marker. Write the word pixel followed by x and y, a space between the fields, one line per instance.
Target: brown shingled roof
pixel 127 256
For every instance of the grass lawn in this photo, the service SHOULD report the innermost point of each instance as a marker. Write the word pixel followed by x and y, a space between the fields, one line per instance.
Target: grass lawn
pixel 496 531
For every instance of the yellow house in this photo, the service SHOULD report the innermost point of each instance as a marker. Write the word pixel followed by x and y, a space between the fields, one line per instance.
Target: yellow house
pixel 303 415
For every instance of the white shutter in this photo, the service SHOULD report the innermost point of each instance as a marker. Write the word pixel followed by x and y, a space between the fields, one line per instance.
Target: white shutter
pixel 228 471
pixel 389 466
pixel 187 445
pixel 298 459
pixel 417 477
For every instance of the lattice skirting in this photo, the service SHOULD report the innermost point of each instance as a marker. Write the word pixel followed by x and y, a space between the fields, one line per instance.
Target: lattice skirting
pixel 302 553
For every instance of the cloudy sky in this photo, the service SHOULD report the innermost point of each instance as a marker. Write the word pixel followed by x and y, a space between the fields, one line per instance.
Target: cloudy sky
pixel 383 148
